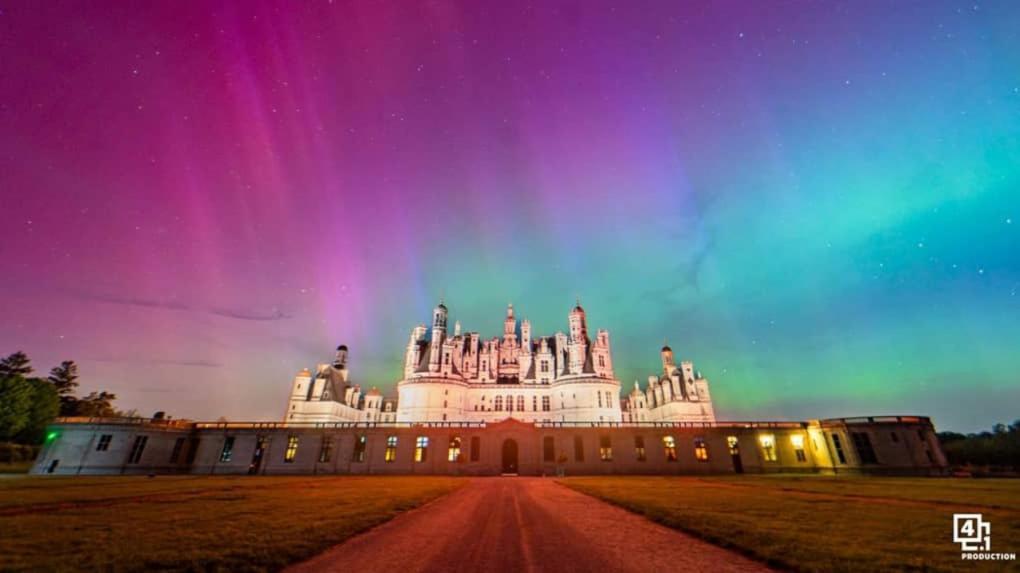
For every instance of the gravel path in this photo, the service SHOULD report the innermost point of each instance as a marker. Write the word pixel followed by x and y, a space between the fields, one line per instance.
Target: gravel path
pixel 523 524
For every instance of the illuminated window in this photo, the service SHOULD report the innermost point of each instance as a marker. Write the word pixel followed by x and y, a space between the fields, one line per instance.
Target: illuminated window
pixel 476 448
pixel 499 404
pixel 639 448
pixel 605 449
pixel 291 453
pixel 578 448
pixel 453 454
pixel 838 445
pixel 391 448
pixel 548 449
pixel 520 403
pixel 798 447
pixel 104 442
pixel 733 444
pixel 421 448
pixel 326 451
pixel 359 448
pixel 228 449
pixel 768 447
pixel 669 446
pixel 545 403
pixel 700 449
pixel 137 449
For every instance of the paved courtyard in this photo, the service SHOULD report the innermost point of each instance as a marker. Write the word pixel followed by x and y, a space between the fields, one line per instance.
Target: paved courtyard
pixel 523 524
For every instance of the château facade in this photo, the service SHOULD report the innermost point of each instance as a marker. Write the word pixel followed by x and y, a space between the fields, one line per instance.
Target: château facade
pixel 564 377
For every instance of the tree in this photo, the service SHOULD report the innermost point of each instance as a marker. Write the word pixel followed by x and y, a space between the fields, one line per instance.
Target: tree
pixel 65 377
pixel 43 407
pixel 15 399
pixel 65 380
pixel 16 364
pixel 96 405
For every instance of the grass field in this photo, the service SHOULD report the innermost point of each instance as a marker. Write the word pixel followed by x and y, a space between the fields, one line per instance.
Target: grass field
pixel 820 523
pixel 192 523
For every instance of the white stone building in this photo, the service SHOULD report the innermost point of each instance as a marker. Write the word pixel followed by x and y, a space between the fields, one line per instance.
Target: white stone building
pixel 566 377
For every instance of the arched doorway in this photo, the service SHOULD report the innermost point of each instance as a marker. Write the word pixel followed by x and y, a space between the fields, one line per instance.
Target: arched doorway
pixel 509 457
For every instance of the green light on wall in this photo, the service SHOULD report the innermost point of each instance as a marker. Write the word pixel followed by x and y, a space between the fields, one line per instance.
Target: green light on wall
pixel 52 436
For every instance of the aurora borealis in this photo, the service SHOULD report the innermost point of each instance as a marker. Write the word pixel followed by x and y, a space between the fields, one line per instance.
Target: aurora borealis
pixel 817 203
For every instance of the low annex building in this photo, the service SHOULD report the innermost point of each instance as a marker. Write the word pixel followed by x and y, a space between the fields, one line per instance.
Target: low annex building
pixel 515 404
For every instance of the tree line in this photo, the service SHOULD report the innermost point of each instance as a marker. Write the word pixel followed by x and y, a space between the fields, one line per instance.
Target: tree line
pixel 998 448
pixel 29 403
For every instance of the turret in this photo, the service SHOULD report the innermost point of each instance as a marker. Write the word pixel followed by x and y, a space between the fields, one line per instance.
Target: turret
pixel 509 325
pixel 668 364
pixel 526 334
pixel 439 315
pixel 578 326
pixel 340 361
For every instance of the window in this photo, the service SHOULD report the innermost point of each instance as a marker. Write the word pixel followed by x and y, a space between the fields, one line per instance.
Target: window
pixel 838 446
pixel 391 448
pixel 548 449
pixel 600 398
pixel 520 403
pixel 534 403
pixel 499 404
pixel 453 454
pixel 798 447
pixel 228 449
pixel 768 447
pixel 359 448
pixel 578 449
pixel 175 453
pixel 476 448
pixel 609 399
pixel 104 442
pixel 669 447
pixel 291 453
pixel 421 448
pixel 326 450
pixel 700 449
pixel 192 450
pixel 544 366
pixel 639 448
pixel 895 438
pixel 137 449
pixel 864 450
pixel 545 403
pixel 605 449
pixel 602 361
pixel 733 444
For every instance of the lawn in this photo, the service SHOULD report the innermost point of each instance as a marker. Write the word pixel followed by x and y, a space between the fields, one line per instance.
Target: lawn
pixel 819 523
pixel 193 523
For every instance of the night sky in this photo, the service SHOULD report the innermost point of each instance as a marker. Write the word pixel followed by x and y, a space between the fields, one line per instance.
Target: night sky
pixel 817 203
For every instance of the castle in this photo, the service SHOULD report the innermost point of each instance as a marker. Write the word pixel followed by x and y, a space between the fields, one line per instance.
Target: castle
pixel 566 377
pixel 512 405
